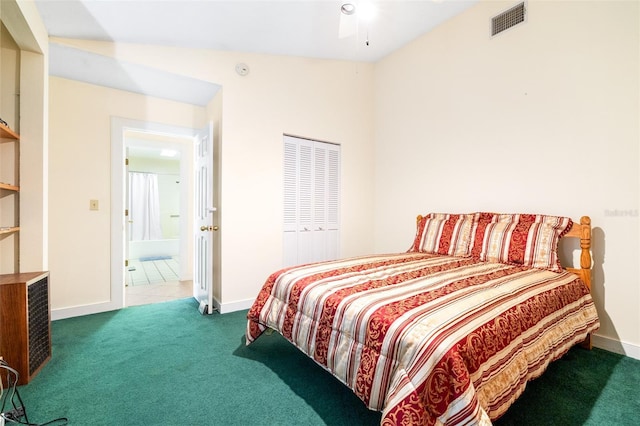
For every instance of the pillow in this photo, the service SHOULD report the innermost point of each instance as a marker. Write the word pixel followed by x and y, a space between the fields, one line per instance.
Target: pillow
pixel 477 236
pixel 444 233
pixel 524 239
pixel 421 220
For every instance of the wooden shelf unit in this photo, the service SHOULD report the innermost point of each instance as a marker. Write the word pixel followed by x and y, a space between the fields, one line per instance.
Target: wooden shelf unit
pixel 25 323
pixel 10 189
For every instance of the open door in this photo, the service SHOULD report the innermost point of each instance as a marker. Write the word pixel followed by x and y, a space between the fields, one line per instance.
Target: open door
pixel 203 224
pixel 127 221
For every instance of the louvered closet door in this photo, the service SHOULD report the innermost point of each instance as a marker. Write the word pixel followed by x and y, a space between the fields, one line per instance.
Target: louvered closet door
pixel 311 200
pixel 333 202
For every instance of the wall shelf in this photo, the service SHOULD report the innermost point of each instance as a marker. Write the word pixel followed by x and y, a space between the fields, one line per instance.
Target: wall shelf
pixel 6 134
pixel 9 230
pixel 9 187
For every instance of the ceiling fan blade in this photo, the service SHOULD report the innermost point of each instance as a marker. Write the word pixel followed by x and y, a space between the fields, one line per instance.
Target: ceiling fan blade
pixel 348 25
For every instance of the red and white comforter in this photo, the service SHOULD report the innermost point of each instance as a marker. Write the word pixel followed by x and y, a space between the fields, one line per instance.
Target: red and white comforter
pixel 427 339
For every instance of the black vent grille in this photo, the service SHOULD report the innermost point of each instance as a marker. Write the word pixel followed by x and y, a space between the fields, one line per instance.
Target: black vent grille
pixel 39 348
pixel 508 19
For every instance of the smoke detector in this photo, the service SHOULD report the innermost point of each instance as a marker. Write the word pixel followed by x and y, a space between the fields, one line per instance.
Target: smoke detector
pixel 242 69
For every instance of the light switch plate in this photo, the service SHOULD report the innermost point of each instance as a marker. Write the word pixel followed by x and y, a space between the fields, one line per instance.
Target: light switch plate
pixel 93 205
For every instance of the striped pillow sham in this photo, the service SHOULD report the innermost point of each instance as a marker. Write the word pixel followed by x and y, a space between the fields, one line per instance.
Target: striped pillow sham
pixel 521 239
pixel 444 234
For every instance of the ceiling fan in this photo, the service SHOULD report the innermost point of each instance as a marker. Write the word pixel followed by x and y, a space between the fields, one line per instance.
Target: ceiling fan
pixel 348 20
pixel 352 14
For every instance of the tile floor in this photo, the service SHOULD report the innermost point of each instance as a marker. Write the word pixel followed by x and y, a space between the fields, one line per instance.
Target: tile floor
pixel 155 281
pixel 152 271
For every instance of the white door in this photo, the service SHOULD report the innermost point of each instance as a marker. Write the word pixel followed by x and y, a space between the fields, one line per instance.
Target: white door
pixel 203 224
pixel 127 218
pixel 311 201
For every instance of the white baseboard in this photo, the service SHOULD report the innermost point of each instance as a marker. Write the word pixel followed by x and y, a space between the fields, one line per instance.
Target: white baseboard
pixel 239 305
pixel 616 346
pixel 78 311
pixel 96 308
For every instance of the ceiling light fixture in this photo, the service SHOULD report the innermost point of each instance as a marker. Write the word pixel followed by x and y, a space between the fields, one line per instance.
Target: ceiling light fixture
pixel 350 18
pixel 348 8
pixel 168 153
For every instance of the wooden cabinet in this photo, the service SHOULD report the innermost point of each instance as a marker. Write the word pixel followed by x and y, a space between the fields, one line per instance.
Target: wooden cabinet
pixel 25 323
pixel 9 199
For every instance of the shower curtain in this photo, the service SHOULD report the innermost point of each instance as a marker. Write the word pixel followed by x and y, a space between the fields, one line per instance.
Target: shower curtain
pixel 144 207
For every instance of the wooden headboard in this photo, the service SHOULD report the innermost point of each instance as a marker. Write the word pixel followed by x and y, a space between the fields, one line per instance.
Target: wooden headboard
pixel 582 231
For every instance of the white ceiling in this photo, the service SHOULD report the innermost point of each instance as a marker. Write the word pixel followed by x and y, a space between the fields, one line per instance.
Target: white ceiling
pixel 307 28
pixel 76 64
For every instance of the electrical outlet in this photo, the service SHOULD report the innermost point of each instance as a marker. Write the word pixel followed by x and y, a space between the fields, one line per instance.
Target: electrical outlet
pixel 93 205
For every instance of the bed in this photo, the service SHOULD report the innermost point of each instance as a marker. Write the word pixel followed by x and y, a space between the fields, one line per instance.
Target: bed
pixel 448 332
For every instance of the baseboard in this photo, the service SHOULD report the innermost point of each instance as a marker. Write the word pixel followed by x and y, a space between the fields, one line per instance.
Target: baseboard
pixel 616 346
pixel 96 308
pixel 240 305
pixel 78 311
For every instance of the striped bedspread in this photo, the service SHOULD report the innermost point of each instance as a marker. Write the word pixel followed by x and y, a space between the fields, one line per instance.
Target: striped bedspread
pixel 427 339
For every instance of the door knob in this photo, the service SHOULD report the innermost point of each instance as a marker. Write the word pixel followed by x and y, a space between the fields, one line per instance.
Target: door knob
pixel 215 228
pixel 209 228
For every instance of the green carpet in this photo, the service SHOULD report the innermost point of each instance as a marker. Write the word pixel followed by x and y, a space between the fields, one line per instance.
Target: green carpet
pixel 166 364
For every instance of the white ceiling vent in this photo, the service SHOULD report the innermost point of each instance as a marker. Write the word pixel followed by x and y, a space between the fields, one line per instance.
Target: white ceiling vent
pixel 508 19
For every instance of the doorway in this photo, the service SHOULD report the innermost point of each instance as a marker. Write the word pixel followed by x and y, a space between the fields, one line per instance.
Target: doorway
pixel 147 135
pixel 156 204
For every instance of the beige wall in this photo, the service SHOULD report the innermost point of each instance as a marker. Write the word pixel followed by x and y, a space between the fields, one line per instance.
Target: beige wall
pixel 10 81
pixel 326 100
pixel 79 171
pixel 542 118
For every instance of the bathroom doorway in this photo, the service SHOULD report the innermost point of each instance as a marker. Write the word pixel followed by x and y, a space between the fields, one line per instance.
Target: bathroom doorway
pixel 158 184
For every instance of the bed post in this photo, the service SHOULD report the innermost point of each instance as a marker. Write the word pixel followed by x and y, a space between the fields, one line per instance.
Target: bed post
pixel 585 262
pixel 585 245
